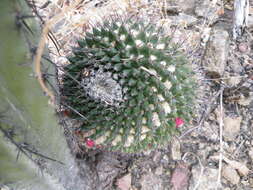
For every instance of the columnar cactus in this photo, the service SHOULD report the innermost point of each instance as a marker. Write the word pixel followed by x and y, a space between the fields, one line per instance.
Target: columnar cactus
pixel 127 83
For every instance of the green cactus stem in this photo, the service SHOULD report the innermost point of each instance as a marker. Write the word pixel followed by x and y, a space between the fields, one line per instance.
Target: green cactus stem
pixel 127 83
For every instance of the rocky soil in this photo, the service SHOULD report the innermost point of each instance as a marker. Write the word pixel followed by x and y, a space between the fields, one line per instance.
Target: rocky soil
pixel 216 150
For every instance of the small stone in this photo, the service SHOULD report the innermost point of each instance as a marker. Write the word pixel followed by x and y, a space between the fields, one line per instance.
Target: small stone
pixel 207 10
pixel 207 180
pixel 251 182
pixel 205 35
pixel 175 149
pixel 243 47
pixel 151 181
pixel 235 64
pixel 215 58
pixel 166 158
pixel 233 81
pixel 251 154
pixel 180 176
pixel 231 127
pixel 250 20
pixel 183 20
pixel 124 183
pixel 230 174
pixel 245 101
pixel 157 156
pixel 186 6
pixel 241 167
pixel 159 170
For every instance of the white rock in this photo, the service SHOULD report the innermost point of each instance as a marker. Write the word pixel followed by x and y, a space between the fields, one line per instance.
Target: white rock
pixel 251 154
pixel 231 127
pixel 183 19
pixel 206 181
pixel 215 58
pixel 233 81
pixel 230 174
pixel 245 101
pixel 175 150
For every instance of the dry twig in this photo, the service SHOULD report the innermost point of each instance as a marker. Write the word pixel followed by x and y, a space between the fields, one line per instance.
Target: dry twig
pixel 221 140
pixel 41 46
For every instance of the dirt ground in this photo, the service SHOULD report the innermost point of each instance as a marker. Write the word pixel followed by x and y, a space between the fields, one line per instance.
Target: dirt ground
pixel 216 150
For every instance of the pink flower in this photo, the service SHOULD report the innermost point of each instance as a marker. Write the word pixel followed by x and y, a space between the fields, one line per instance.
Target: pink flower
pixel 179 121
pixel 89 143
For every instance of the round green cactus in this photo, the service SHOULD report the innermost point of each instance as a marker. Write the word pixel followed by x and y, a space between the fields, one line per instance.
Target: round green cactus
pixel 127 83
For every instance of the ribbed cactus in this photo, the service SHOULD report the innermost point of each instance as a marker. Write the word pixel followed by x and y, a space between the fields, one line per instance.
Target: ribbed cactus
pixel 127 82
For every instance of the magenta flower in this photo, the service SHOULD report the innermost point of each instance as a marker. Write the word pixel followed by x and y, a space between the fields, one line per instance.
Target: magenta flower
pixel 89 143
pixel 179 121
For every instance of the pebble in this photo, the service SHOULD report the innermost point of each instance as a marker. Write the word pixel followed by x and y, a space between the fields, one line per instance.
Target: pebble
pixel 230 174
pixel 251 154
pixel 205 9
pixel 175 150
pixel 243 47
pixel 245 101
pixel 231 127
pixel 216 55
pixel 151 182
pixel 207 180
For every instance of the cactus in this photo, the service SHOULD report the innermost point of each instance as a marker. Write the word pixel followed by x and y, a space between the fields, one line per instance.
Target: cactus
pixel 34 154
pixel 127 83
